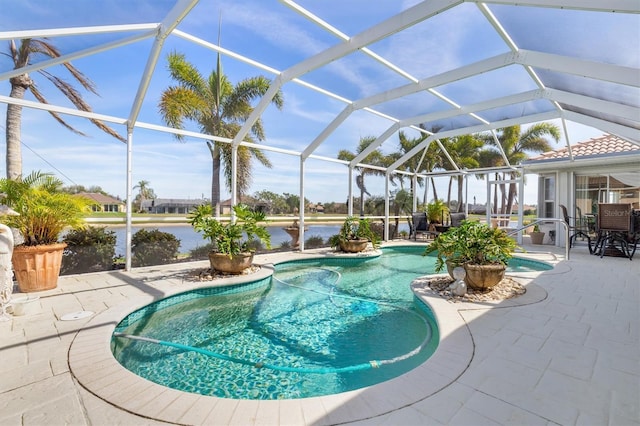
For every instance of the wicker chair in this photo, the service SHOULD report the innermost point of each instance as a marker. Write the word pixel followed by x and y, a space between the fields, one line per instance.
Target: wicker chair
pixel 615 230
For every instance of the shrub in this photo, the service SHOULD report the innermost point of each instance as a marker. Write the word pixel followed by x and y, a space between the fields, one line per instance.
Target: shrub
pixel 153 247
pixel 285 245
pixel 88 250
pixel 314 241
pixel 201 252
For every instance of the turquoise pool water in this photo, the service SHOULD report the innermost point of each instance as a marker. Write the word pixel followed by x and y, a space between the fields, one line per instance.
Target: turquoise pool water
pixel 318 327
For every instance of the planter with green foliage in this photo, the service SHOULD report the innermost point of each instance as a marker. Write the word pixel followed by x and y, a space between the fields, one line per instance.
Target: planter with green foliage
pixel 44 211
pixel 437 211
pixel 478 248
pixel 536 236
pixel 354 236
pixel 231 253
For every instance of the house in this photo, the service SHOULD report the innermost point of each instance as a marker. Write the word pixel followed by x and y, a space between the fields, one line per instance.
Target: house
pixel 601 170
pixel 170 205
pixel 104 203
pixel 253 203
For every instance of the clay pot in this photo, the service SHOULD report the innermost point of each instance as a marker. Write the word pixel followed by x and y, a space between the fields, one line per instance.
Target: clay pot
pixel 37 267
pixel 233 264
pixel 483 277
pixel 353 246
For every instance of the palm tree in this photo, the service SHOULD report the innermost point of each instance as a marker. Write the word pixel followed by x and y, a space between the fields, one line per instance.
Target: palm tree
pixel 426 163
pixel 375 158
pixel 29 50
pixel 219 109
pixel 144 193
pixel 464 151
pixel 516 146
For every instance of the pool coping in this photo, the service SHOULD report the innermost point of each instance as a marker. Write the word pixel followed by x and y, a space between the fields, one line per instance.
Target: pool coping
pixel 95 368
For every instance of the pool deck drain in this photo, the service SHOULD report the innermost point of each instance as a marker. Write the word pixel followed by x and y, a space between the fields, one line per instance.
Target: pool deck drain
pixel 496 364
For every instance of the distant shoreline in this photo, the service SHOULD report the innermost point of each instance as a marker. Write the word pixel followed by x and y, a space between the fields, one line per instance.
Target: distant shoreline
pixel 149 221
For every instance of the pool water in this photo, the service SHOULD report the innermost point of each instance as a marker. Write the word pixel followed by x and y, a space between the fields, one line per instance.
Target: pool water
pixel 318 327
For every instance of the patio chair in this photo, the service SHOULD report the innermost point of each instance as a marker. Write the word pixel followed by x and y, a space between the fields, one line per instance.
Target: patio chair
pixel 420 225
pixel 616 233
pixel 457 218
pixel 575 230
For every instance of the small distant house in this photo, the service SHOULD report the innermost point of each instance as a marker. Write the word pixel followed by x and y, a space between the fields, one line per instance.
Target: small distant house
pixel 170 205
pixel 104 203
pixel 315 208
pixel 254 204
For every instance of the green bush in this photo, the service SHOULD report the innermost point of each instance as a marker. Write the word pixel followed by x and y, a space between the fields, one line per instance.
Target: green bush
pixel 201 252
pixel 285 245
pixel 90 249
pixel 153 247
pixel 314 241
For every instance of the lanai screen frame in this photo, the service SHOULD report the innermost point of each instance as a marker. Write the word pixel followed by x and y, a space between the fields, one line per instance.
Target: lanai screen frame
pixel 611 117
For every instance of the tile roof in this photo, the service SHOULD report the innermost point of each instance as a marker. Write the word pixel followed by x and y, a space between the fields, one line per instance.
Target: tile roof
pixel 602 146
pixel 101 198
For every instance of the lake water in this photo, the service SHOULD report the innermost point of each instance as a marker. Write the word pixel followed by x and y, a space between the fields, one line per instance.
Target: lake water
pixel 189 239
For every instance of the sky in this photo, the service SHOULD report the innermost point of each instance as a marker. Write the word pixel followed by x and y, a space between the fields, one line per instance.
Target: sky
pixel 275 35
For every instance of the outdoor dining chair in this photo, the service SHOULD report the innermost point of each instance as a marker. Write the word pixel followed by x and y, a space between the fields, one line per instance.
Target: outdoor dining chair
pixel 615 230
pixel 576 229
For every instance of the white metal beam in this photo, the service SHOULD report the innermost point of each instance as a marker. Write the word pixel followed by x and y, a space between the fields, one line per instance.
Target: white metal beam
pixel 581 67
pixel 76 55
pixel 173 18
pixel 61 32
pixel 618 6
pixel 404 19
pixel 374 145
pixel 631 134
pixel 337 121
pixel 534 118
pixel 479 67
pixel 587 102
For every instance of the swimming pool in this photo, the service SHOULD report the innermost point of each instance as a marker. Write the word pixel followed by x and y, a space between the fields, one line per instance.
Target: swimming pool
pixel 319 327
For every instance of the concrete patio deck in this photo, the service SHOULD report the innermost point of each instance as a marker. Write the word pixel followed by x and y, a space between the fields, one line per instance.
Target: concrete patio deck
pixel 568 352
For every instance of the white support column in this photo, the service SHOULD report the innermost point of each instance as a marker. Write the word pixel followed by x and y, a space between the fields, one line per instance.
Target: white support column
pixel 385 232
pixel 129 189
pixel 521 206
pixel 350 199
pixel 234 180
pixel 488 205
pixel 301 212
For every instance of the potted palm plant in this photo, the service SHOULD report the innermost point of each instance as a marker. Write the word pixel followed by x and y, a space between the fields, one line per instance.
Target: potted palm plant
pixel 44 212
pixel 483 252
pixel 231 252
pixel 354 236
pixel 536 236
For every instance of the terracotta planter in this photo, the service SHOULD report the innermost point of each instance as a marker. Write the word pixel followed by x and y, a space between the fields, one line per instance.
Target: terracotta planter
pixel 483 277
pixel 37 267
pixel 233 264
pixel 353 246
pixel 536 237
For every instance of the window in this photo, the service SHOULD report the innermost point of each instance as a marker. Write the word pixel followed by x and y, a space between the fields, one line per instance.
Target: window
pixel 622 187
pixel 547 204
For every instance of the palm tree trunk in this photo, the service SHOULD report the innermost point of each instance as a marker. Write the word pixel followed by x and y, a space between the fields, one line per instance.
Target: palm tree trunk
pixel 215 177
pixel 512 194
pixel 435 191
pixel 13 134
